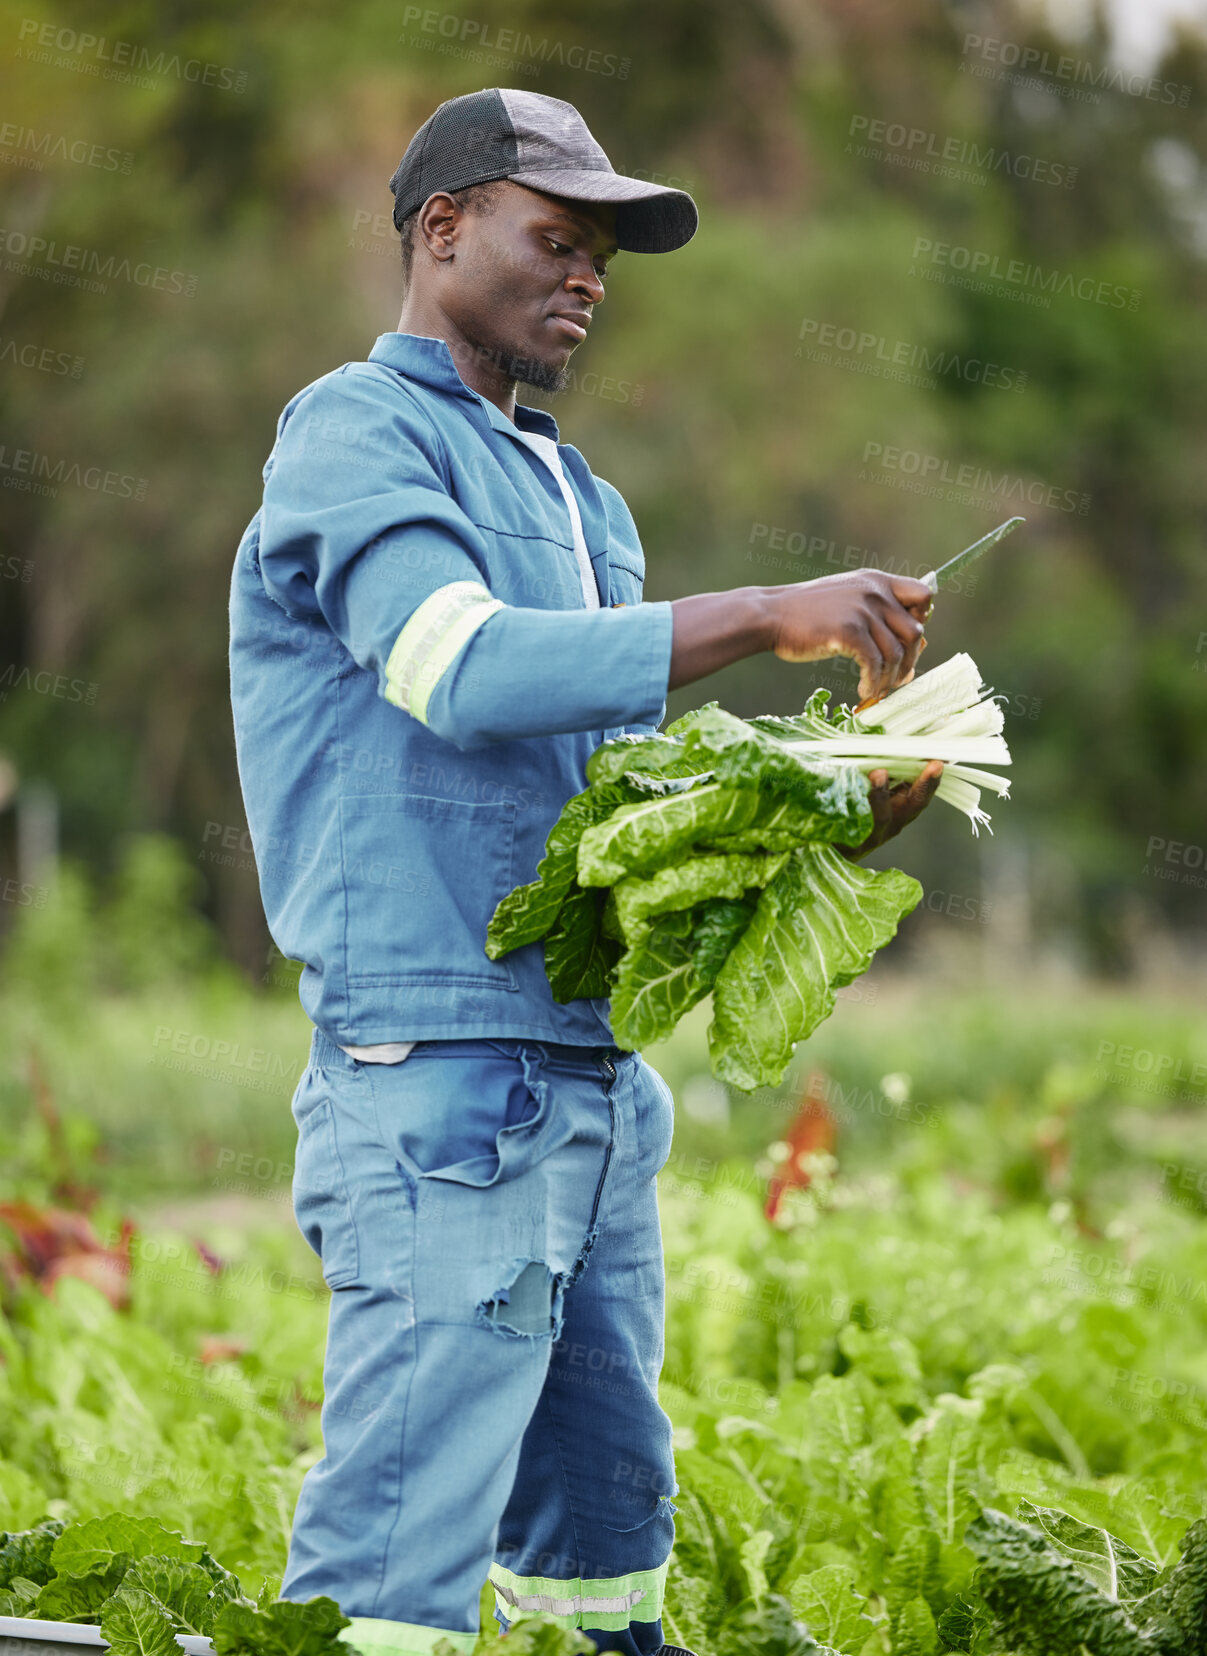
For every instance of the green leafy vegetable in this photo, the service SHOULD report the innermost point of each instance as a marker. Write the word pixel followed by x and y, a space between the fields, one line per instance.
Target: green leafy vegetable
pixel 831 1607
pixel 702 860
pixel 579 957
pixel 136 1624
pixel 683 885
pixel 143 1583
pixel 718 926
pixel 656 982
pixel 1175 1613
pixel 185 1590
pixel 814 929
pixel 528 912
pixel 1115 1568
pixel 80 1597
pixel 914 1632
pixel 27 1553
pixel 281 1629
pixel 769 1628
pixel 16 1598
pixel 636 839
pixel 964 1626
pixel 90 1545
pixel 1056 1590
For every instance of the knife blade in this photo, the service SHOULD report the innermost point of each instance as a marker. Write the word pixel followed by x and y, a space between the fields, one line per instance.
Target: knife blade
pixel 943 575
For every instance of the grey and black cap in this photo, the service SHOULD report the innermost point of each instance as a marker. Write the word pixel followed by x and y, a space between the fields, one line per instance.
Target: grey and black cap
pixel 544 144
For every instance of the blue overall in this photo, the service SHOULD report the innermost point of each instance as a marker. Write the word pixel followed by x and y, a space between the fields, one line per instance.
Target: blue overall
pixel 417 683
pixel 487 1221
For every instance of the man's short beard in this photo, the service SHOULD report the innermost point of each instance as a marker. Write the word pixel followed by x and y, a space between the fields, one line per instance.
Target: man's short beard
pixel 531 371
pixel 528 370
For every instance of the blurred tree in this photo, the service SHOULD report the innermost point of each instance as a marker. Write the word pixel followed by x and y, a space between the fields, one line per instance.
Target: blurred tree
pixel 256 188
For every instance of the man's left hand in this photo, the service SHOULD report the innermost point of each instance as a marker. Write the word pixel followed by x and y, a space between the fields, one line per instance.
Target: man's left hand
pixel 893 808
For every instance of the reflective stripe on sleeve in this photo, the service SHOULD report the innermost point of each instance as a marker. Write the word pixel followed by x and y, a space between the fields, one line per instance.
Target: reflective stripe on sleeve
pixel 431 641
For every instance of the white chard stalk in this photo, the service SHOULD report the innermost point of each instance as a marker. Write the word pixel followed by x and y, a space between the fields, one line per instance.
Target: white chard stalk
pixel 945 714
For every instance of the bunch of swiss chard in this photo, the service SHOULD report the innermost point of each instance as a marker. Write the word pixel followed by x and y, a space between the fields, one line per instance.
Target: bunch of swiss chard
pixel 142 1584
pixel 705 860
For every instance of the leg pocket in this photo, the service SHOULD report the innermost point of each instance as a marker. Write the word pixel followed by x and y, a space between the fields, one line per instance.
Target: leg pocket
pixel 320 1197
pixel 464 1112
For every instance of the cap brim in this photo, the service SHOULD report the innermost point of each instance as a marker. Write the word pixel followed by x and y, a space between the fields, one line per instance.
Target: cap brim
pixel 650 218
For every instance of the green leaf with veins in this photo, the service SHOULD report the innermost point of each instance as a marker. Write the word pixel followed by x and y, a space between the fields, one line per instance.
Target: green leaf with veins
pixel 1043 1603
pixel 914 1632
pixel 89 1545
pixel 1116 1569
pixel 136 1624
pixel 741 754
pixel 79 1597
pixel 828 1602
pixel 816 928
pixel 642 837
pixel 655 983
pixel 641 898
pixel 579 956
pixel 29 1552
pixel 285 1628
pixel 16 1598
pixel 718 926
pixel 657 755
pixel 529 911
pixel 183 1589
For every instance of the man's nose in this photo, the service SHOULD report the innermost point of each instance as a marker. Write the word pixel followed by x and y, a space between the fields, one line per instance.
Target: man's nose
pixel 585 280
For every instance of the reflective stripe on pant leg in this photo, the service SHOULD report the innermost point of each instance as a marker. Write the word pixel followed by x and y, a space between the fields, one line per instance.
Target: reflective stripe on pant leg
pixel 611 1602
pixel 374 1637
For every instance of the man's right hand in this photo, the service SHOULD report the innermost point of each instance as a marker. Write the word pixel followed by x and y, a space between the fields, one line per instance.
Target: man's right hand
pixel 874 618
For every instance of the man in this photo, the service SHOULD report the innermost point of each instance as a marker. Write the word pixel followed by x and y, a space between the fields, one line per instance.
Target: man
pixel 436 617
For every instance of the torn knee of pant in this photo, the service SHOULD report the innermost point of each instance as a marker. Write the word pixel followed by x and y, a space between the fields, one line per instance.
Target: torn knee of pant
pixel 526 1307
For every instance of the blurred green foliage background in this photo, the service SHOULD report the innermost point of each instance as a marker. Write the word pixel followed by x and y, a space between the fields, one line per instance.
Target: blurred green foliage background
pixel 244 153
pixel 929 289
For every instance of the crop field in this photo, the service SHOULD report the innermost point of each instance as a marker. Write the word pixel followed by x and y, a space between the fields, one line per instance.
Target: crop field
pixel 951 1396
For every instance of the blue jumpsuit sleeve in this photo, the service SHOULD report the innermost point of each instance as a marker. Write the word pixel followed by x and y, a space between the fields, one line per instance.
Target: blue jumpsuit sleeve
pixel 359 528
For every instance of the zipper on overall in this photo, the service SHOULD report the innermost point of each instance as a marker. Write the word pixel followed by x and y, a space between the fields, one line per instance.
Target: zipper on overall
pixel 609 1074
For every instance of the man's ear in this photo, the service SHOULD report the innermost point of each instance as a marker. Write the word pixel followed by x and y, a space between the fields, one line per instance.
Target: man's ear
pixel 437 225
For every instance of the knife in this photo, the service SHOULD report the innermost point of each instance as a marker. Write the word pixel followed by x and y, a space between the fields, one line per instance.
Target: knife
pixel 943 575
